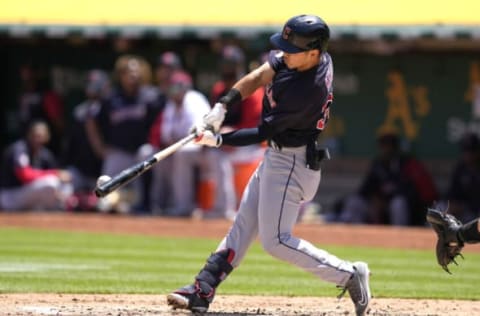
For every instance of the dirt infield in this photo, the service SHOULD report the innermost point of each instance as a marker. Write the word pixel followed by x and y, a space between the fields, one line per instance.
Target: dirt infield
pixel 136 305
pixel 72 304
pixel 328 234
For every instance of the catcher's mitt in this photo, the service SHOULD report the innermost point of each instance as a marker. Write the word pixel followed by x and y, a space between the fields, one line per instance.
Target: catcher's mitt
pixel 449 245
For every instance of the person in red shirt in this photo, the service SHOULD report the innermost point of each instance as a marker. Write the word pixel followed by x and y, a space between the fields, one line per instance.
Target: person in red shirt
pixel 234 162
pixel 29 179
pixel 160 192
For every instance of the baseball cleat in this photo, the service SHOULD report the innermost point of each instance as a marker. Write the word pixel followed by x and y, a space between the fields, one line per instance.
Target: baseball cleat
pixel 177 301
pixel 359 288
pixel 188 298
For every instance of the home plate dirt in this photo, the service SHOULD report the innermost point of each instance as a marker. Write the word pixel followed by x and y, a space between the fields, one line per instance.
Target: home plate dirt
pixel 133 305
pixel 123 305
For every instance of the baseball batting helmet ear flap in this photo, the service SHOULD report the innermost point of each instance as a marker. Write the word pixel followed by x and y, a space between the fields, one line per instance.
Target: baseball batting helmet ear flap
pixel 301 33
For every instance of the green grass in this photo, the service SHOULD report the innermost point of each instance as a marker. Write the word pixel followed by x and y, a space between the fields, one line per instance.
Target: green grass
pixel 44 261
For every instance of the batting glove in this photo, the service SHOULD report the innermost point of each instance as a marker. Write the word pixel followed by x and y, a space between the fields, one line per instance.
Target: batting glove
pixel 215 117
pixel 209 138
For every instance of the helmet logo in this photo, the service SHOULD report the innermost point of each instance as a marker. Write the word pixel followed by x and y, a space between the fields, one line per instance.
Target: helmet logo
pixel 286 32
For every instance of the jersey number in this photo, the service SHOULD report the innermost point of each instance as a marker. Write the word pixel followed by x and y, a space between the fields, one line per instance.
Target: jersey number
pixel 326 113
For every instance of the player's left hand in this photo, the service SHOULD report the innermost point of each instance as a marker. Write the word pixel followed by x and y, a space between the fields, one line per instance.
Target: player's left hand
pixel 208 138
pixel 215 117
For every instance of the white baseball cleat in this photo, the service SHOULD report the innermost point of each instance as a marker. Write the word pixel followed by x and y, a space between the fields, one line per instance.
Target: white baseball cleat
pixel 177 301
pixel 188 297
pixel 359 288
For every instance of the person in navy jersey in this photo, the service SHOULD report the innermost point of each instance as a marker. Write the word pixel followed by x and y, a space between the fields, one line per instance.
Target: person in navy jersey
pixel 396 189
pixel 29 177
pixel 122 122
pixel 296 107
pixel 463 193
pixel 80 156
pixel 38 101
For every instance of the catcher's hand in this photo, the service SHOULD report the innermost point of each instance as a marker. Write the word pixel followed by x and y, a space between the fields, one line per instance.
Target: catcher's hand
pixel 449 245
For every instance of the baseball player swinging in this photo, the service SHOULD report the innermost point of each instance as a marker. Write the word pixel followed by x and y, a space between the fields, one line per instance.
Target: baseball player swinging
pixel 296 105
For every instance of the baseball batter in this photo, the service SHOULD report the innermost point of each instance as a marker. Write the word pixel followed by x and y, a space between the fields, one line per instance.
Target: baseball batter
pixel 296 105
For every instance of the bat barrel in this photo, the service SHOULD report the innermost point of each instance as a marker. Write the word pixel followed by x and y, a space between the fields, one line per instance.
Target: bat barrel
pixel 124 177
pixel 131 173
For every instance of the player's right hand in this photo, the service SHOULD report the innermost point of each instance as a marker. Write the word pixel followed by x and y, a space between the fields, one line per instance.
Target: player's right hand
pixel 209 138
pixel 215 117
pixel 198 129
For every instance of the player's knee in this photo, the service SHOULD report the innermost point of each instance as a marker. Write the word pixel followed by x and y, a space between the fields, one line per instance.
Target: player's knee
pixel 276 246
pixel 47 185
pixel 272 249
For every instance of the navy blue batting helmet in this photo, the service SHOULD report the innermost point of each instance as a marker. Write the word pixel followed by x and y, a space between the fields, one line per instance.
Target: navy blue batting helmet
pixel 302 33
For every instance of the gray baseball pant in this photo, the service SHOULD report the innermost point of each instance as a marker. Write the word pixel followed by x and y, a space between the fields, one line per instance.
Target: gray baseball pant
pixel 45 193
pixel 269 209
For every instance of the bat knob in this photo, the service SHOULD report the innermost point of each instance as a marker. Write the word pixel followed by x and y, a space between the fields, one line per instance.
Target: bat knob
pixel 98 193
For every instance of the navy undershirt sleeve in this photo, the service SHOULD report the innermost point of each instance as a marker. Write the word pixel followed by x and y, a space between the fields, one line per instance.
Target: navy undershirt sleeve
pixel 247 136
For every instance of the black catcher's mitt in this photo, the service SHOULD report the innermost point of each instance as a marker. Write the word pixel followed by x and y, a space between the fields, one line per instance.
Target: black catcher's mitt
pixel 448 245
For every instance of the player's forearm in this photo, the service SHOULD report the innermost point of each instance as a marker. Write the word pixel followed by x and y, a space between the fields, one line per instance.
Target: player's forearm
pixel 247 136
pixel 28 174
pixel 247 85
pixel 242 137
pixel 254 80
pixel 241 90
pixel 95 138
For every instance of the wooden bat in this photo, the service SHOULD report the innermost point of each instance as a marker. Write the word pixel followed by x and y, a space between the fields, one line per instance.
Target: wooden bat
pixel 134 171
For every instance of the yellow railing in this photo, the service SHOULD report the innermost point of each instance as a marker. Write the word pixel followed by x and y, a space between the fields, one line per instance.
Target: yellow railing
pixel 233 13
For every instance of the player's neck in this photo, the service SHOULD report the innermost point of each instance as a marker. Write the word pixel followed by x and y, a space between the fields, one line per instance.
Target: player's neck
pixel 307 67
pixel 310 63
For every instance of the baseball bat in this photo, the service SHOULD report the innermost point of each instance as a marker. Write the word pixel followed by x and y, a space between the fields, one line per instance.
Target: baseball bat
pixel 134 171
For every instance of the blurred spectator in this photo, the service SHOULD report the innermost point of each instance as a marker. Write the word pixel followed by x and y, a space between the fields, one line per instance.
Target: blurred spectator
pixel 464 187
pixel 38 102
pixel 396 189
pixel 160 197
pixel 184 107
pixel 121 125
pixel 80 156
pixel 167 63
pixel 29 178
pixel 235 164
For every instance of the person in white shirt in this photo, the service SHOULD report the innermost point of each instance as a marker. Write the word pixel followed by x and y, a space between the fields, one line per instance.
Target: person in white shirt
pixel 184 108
